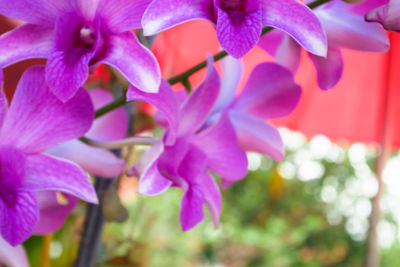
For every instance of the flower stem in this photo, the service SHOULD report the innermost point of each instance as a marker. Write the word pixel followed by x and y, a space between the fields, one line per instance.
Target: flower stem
pixel 130 141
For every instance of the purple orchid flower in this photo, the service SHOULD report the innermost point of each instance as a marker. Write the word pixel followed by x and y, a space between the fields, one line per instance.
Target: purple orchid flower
pixel 190 150
pixel 388 15
pixel 12 256
pixel 78 34
pixel 345 28
pixel 239 22
pixel 35 121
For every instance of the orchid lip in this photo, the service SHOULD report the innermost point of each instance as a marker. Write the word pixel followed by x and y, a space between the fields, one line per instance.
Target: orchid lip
pixel 233 5
pixel 8 195
pixel 85 37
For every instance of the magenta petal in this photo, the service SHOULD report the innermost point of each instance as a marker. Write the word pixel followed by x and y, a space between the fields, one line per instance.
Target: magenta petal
pixel 3 102
pixel 134 61
pixel 95 161
pixel 122 15
pixel 271 42
pixel 113 125
pixel 220 145
pixel 37 120
pixel 192 207
pixel 193 164
pixel 388 15
pixel 151 181
pixel 254 134
pixel 12 256
pixel 212 196
pixel 329 69
pixel 164 14
pixel 172 157
pixel 270 92
pixel 18 220
pixel 165 101
pixel 238 32
pixel 195 110
pixel 88 8
pixel 24 42
pixel 52 212
pixel 297 20
pixel 48 173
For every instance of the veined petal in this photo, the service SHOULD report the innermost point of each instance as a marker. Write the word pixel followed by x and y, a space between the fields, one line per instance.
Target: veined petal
pixel 88 8
pixel 165 101
pixel 329 69
pixel 37 120
pixel 110 127
pixel 100 162
pixel 193 164
pixel 297 20
pixel 17 221
pixel 348 30
pixel 270 92
pixel 195 110
pixel 164 14
pixel 123 15
pixel 44 173
pixel 134 61
pixel 238 32
pixel 12 256
pixel 219 143
pixel 192 207
pixel 212 196
pixel 388 15
pixel 53 211
pixel 3 101
pixel 24 42
pixel 254 134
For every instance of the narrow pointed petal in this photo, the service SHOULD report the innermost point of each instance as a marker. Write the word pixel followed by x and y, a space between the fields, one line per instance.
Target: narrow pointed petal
pixel 17 221
pixel 298 21
pixel 164 14
pixel 388 15
pixel 48 173
pixel 329 69
pixel 212 196
pixel 3 102
pixel 53 212
pixel 219 143
pixel 257 135
pixel 37 120
pixel 110 127
pixel 165 101
pixel 238 32
pixel 12 256
pixel 192 207
pixel 24 42
pixel 123 15
pixel 96 161
pixel 134 61
pixel 151 181
pixel 195 110
pixel 348 30
pixel 270 92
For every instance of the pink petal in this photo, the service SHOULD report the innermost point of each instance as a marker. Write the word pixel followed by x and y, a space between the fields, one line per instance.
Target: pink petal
pixel 329 69
pixel 24 42
pixel 17 221
pixel 88 8
pixel 48 173
pixel 270 92
pixel 52 212
pixel 113 125
pixel 387 15
pixel 192 207
pixel 3 101
pixel 298 21
pixel 37 120
pixel 164 14
pixel 12 256
pixel 192 165
pixel 134 61
pixel 212 196
pixel 96 161
pixel 257 135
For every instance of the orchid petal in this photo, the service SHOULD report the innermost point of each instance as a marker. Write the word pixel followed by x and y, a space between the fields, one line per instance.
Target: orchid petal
pixel 134 61
pixel 165 101
pixel 24 42
pixel 18 220
pixel 110 127
pixel 257 135
pixel 53 212
pixel 48 173
pixel 3 102
pixel 298 21
pixel 12 256
pixel 387 15
pixel 164 14
pixel 195 110
pixel 238 32
pixel 37 120
pixel 329 69
pixel 192 207
pixel 171 158
pixel 96 161
pixel 270 92
pixel 212 196
pixel 271 42
pixel 88 8
pixel 219 143
pixel 193 164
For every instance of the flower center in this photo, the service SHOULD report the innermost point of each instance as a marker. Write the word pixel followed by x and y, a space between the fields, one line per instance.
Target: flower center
pixel 85 37
pixel 233 5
